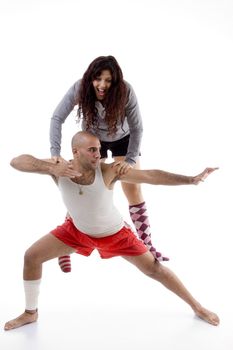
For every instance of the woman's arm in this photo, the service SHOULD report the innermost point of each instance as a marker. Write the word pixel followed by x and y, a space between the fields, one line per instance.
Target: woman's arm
pixel 135 126
pixel 60 114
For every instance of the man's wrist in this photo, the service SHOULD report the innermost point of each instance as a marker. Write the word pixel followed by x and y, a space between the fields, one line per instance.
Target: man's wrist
pixel 191 180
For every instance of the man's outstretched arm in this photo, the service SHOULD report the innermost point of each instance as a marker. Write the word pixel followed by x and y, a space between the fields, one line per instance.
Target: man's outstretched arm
pixel 30 164
pixel 160 177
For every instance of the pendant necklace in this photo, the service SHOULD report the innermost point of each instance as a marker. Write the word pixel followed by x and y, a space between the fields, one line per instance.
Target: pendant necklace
pixel 80 189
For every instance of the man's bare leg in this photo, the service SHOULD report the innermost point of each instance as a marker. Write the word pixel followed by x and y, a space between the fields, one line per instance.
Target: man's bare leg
pixel 162 274
pixel 46 248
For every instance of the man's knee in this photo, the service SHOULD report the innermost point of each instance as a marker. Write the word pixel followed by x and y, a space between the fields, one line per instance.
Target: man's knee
pixel 152 268
pixel 31 257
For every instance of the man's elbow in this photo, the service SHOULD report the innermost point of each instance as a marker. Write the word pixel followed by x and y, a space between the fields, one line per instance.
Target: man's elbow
pixel 14 162
pixel 17 162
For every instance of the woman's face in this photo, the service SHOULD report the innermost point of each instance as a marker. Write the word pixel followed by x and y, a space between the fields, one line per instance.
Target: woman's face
pixel 102 84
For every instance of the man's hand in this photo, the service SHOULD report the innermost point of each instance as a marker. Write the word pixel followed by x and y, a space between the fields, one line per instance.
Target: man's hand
pixel 122 167
pixel 202 176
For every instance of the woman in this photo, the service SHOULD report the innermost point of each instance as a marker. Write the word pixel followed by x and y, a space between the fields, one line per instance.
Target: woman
pixel 108 107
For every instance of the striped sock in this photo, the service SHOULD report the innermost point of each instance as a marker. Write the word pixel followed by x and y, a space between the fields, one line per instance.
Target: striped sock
pixel 139 216
pixel 65 263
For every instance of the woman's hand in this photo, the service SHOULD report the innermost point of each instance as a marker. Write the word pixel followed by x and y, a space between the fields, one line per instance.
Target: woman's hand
pixel 58 159
pixel 122 167
pixel 64 168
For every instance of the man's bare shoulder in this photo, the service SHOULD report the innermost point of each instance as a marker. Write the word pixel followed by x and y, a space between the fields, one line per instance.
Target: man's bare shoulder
pixel 107 166
pixel 109 173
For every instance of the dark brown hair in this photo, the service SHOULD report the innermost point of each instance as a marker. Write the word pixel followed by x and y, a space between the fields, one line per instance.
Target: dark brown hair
pixel 115 100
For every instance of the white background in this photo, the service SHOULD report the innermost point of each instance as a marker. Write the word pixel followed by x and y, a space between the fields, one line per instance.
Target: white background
pixel 178 56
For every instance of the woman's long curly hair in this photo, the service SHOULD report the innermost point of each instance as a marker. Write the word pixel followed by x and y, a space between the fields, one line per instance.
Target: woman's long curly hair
pixel 115 100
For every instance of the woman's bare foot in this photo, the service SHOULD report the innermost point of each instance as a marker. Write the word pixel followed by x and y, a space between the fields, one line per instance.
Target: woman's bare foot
pixel 25 318
pixel 207 315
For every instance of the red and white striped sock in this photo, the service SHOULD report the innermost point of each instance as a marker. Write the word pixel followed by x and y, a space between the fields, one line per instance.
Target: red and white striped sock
pixel 65 263
pixel 139 216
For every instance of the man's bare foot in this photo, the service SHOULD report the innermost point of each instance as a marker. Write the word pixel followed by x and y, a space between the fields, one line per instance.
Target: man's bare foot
pixel 25 318
pixel 207 315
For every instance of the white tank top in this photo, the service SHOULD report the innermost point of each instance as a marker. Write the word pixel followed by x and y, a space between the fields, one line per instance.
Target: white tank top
pixel 92 212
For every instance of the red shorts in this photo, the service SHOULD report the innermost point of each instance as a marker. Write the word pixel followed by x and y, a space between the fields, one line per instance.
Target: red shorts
pixel 124 242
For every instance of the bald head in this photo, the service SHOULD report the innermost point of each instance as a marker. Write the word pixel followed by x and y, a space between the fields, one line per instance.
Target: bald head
pixel 82 138
pixel 86 150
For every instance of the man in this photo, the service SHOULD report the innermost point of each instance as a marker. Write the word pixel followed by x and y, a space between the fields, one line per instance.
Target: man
pixel 86 187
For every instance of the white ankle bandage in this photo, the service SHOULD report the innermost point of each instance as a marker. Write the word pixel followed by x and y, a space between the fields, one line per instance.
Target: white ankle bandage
pixel 31 289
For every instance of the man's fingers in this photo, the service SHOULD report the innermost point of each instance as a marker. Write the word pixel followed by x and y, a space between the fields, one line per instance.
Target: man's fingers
pixel 208 171
pixel 201 177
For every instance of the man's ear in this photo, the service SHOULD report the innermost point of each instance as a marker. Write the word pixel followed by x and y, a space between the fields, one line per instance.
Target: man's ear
pixel 75 151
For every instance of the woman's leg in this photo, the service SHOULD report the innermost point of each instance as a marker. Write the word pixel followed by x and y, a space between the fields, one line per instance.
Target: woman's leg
pixel 138 212
pixel 64 261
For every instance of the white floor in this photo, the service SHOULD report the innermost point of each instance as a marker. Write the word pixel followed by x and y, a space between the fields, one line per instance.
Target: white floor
pixel 118 328
pixel 108 304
